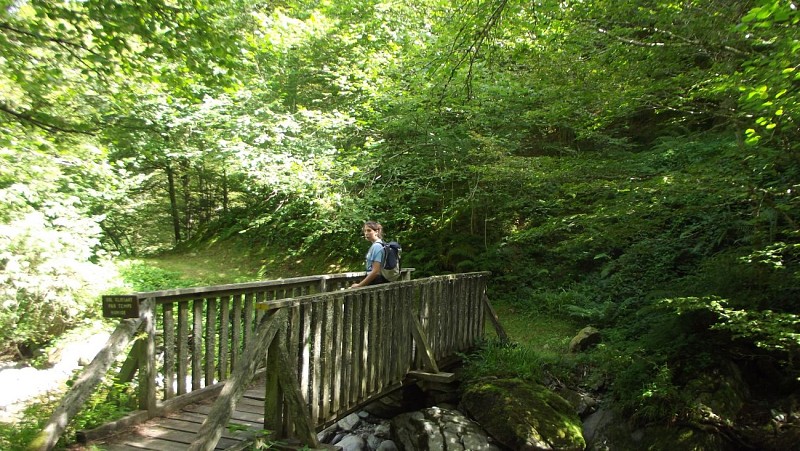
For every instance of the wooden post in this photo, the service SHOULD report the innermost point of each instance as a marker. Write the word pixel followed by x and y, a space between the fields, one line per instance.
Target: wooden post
pixel 224 337
pixel 182 347
pixel 236 332
pixel 169 350
pixel 197 343
pixel 294 398
pixel 210 344
pixel 273 395
pixel 147 361
pixel 501 332
pixel 223 408
pixel 85 384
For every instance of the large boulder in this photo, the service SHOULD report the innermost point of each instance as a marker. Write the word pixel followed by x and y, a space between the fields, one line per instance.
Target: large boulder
pixel 523 416
pixel 586 338
pixel 438 429
pixel 718 396
pixel 606 431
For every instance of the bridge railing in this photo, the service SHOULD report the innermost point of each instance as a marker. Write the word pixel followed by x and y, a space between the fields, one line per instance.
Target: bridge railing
pixel 329 353
pixel 201 332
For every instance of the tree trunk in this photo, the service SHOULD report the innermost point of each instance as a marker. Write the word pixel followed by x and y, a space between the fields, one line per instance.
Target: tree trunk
pixel 224 190
pixel 173 204
pixel 188 213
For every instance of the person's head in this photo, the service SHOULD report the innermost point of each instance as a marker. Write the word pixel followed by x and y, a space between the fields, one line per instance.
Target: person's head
pixel 373 229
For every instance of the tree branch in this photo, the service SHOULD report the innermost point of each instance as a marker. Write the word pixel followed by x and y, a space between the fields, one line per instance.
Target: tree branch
pixel 474 45
pixel 61 42
pixel 668 34
pixel 28 118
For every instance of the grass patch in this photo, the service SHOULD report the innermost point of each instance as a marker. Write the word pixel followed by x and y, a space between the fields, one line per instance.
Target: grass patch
pixel 537 347
pixel 545 334
pixel 210 264
pixel 226 262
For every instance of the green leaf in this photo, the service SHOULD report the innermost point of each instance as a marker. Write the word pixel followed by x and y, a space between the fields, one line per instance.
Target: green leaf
pixel 752 15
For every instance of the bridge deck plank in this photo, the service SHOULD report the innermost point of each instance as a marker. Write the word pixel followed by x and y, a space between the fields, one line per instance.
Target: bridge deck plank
pixel 177 430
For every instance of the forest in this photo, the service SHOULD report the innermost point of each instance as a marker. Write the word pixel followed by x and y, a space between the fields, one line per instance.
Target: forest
pixel 633 165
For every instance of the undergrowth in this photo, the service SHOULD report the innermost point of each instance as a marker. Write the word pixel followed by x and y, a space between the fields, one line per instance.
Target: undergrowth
pixel 110 401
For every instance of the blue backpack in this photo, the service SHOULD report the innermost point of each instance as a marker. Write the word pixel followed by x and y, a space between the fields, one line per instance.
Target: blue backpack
pixel 390 266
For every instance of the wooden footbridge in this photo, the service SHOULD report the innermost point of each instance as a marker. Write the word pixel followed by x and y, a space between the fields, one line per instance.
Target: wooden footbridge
pixel 317 350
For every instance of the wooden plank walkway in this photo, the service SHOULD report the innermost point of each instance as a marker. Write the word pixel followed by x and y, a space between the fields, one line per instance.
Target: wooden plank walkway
pixel 178 430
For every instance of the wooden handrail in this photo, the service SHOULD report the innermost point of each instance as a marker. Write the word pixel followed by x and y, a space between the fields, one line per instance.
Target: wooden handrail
pixel 244 287
pixel 83 387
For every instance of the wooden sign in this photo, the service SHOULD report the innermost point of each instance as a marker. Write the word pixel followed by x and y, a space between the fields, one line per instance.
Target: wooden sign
pixel 120 306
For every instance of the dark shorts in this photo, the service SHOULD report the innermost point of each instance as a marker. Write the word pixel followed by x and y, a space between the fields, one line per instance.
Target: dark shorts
pixel 379 280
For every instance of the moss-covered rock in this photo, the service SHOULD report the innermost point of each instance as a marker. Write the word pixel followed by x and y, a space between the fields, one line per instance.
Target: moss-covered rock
pixel 722 391
pixel 621 436
pixel 523 415
pixel 586 338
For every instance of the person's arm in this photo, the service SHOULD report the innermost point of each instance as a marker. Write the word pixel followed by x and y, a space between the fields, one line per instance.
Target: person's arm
pixel 372 275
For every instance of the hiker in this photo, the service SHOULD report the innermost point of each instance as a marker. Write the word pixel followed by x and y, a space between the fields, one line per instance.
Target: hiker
pixel 373 232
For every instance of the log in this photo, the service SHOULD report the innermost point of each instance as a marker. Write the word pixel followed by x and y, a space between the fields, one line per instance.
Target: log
pixel 88 380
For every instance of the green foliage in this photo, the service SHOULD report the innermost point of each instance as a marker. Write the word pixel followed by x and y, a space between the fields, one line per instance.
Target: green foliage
pixel 109 402
pixel 49 281
pixel 496 358
pixel 768 85
pixel 143 277
pixel 25 430
pixel 768 330
pixel 263 441
pixel 651 358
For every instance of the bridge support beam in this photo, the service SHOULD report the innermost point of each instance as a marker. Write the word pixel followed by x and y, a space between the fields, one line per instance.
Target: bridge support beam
pixel 501 332
pixel 422 343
